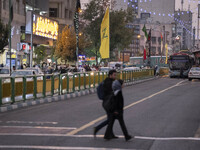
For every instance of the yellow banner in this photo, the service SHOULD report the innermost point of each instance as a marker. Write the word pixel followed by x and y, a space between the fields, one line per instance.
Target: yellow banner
pixel 105 36
pixel 166 48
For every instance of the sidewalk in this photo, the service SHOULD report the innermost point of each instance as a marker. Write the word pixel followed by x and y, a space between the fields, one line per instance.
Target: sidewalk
pixel 29 103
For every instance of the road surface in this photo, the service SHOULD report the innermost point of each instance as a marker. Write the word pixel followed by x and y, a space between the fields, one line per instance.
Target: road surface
pixel 162 114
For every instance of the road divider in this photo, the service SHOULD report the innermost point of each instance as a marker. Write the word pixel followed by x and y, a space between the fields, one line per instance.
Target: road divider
pixel 18 89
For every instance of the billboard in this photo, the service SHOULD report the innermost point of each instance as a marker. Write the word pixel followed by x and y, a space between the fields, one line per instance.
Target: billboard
pixel 42 26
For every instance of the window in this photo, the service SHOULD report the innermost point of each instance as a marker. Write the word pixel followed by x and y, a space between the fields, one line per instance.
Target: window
pixel 66 13
pixel 17 6
pixel 53 12
pixel 70 15
pixel 153 50
pixel 4 4
pixel 145 15
pixel 153 40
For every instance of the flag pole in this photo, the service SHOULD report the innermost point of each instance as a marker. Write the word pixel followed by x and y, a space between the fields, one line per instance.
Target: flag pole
pixel 109 35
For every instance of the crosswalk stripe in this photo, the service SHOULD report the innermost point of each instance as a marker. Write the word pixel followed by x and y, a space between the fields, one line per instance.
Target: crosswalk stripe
pixel 39 127
pixel 101 136
pixel 57 147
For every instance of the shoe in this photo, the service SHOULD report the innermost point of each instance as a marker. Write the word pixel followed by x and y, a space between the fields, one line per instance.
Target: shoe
pixel 108 138
pixel 115 137
pixel 94 132
pixel 128 138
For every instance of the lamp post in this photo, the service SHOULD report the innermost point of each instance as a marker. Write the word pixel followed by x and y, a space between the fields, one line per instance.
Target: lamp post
pixel 76 25
pixel 198 26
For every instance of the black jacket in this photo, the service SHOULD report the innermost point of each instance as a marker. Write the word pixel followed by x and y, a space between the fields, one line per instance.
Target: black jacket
pixel 108 86
pixel 118 102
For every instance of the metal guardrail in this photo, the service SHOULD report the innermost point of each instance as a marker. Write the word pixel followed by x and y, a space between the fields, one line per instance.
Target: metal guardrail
pixel 30 87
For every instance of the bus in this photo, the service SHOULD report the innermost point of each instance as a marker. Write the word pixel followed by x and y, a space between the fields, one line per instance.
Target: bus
pixel 155 60
pixel 180 62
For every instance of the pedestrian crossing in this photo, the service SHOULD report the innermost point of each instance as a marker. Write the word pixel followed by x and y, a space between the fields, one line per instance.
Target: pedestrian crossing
pixel 56 148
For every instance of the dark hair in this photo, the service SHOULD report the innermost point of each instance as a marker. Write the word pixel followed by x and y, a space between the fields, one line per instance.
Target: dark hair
pixel 111 72
pixel 121 81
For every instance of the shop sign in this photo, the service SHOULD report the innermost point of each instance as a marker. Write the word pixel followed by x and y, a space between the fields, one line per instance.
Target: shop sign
pixel 45 27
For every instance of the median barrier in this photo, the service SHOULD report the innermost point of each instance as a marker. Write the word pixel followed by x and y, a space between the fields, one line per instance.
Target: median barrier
pixel 33 87
pixel 164 71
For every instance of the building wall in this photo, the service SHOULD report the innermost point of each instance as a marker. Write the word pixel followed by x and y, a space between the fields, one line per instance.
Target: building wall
pixel 134 6
pixel 161 8
pixel 120 4
pixel 65 11
pixel 156 31
pixel 184 28
pixel 18 21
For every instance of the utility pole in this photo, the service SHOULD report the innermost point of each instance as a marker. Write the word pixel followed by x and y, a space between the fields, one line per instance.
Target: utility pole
pixel 10 39
pixel 194 35
pixel 31 52
pixel 76 24
pixel 198 25
pixel 164 40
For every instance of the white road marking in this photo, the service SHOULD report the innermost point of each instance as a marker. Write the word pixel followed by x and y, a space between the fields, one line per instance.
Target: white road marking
pixel 101 136
pixel 57 147
pixel 39 127
pixel 129 106
pixel 30 122
pixel 169 138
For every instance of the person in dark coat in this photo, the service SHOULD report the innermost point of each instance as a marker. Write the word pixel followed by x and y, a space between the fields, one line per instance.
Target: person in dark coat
pixel 107 92
pixel 117 111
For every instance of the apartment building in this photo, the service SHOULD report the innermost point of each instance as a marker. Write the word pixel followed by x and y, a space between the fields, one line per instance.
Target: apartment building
pixel 62 11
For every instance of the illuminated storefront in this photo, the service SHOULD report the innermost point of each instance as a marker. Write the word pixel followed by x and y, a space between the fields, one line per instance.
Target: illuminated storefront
pixel 45 27
pixel 45 32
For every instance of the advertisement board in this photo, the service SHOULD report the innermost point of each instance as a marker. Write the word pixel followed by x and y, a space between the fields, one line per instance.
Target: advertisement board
pixel 42 26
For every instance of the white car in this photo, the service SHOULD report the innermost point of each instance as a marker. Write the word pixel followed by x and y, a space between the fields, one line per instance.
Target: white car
pixel 104 69
pixel 19 74
pixel 194 73
pixel 38 71
pixel 131 68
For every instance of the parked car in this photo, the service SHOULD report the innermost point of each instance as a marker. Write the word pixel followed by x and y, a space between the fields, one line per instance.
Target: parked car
pixel 194 73
pixel 131 68
pixel 4 72
pixel 19 74
pixel 38 71
pixel 104 69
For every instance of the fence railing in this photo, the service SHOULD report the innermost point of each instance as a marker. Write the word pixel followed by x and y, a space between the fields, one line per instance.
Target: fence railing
pixel 32 87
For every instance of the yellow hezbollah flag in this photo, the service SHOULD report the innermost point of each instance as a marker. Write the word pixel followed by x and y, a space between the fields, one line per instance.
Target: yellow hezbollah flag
pixel 105 36
pixel 166 48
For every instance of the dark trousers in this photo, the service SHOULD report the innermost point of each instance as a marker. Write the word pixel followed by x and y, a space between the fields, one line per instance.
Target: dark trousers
pixel 111 120
pixel 101 125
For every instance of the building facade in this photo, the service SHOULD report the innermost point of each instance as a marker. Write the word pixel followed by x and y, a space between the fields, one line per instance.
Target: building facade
pixel 133 4
pixel 114 4
pixel 183 21
pixel 18 21
pixel 62 11
pixel 161 11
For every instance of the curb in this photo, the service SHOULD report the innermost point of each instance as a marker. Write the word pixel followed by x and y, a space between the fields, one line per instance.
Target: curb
pixel 60 97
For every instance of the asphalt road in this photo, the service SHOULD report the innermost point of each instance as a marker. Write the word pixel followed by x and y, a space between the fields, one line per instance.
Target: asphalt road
pixel 162 114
